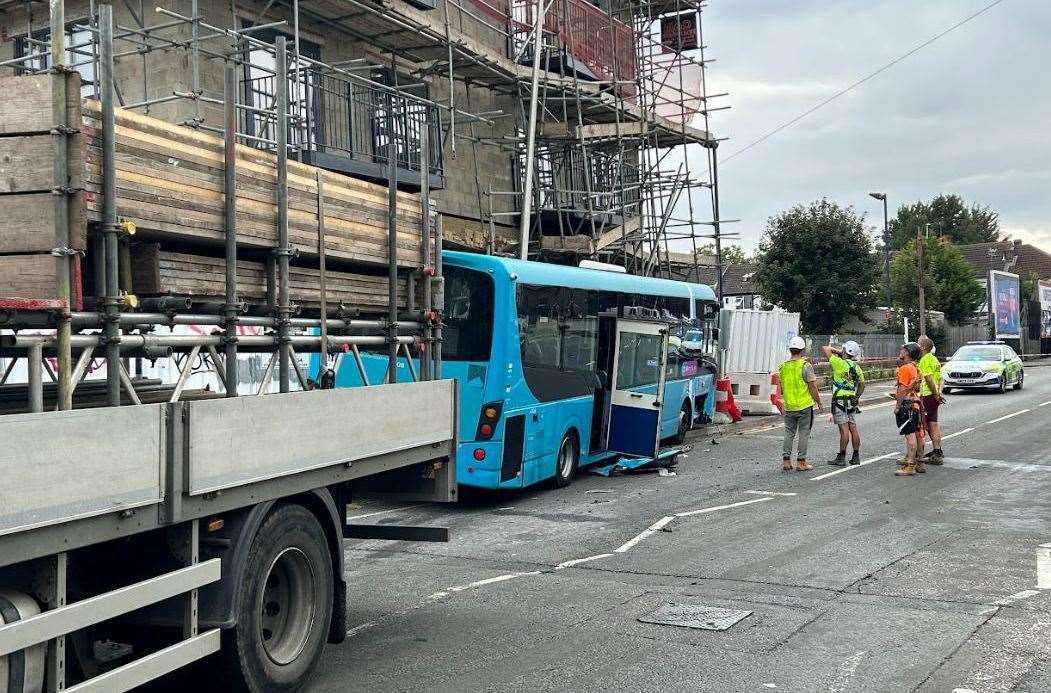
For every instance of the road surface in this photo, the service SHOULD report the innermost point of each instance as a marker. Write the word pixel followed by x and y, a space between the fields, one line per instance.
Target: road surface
pixel 855 579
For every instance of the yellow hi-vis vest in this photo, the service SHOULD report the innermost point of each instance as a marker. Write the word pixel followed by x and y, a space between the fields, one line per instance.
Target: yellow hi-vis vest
pixel 793 387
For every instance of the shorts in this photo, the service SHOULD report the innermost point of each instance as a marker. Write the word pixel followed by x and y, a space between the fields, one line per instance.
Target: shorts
pixel 842 414
pixel 930 407
pixel 908 420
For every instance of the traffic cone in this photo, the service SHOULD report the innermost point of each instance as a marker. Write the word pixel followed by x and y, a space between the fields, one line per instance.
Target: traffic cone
pixel 724 402
pixel 777 399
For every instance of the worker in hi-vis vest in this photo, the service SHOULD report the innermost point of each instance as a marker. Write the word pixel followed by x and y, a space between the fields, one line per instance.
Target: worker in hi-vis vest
pixel 799 389
pixel 848 382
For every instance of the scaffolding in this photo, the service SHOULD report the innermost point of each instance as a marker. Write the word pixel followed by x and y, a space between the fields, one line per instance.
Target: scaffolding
pixel 600 115
pixel 276 118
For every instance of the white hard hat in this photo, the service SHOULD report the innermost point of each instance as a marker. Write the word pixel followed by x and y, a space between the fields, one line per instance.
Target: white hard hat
pixel 852 348
pixel 797 343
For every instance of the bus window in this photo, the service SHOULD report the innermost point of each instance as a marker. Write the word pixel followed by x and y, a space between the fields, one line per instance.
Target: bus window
pixel 467 333
pixel 638 364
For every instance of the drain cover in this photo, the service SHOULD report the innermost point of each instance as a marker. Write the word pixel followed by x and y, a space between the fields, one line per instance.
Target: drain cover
pixel 695 616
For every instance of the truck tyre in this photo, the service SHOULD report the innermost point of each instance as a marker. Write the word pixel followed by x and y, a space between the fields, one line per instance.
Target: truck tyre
pixel 285 604
pixel 567 460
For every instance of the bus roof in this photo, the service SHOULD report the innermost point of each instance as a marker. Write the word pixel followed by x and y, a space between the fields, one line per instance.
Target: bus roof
pixel 547 274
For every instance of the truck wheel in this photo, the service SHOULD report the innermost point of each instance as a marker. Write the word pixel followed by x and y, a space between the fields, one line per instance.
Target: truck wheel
pixel 285 605
pixel 567 460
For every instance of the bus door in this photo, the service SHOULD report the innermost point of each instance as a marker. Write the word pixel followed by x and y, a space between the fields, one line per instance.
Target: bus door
pixel 636 388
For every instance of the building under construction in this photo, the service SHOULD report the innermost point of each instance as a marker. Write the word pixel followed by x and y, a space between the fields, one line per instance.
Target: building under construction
pixel 368 134
pixel 584 143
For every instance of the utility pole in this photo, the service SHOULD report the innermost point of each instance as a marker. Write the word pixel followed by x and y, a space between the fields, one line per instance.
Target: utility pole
pixel 920 233
pixel 886 248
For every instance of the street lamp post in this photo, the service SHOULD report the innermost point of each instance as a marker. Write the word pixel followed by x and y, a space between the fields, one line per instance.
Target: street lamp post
pixel 886 247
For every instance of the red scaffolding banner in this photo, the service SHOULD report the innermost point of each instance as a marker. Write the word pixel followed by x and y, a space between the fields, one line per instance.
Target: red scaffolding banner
pixel 679 32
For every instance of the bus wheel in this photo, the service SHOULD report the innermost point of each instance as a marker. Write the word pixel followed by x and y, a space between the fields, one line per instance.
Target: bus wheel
pixel 685 424
pixel 285 606
pixel 567 460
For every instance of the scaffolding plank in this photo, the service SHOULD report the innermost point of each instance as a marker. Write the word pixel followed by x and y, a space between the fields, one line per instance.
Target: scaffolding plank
pixel 30 111
pixel 170 183
pixel 618 232
pixel 27 223
pixel 157 272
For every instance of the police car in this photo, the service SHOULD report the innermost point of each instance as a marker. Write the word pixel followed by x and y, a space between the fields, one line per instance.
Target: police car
pixel 983 365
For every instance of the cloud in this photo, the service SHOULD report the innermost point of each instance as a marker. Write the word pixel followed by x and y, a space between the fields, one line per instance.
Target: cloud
pixel 1040 237
pixel 966 114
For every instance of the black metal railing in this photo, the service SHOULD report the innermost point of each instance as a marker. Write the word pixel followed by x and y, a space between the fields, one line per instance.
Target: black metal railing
pixel 345 125
pixel 565 175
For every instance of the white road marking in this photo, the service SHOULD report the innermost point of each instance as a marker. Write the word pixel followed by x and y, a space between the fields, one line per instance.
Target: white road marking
pixel 771 493
pixel 1016 597
pixel 1004 418
pixel 577 561
pixel 856 466
pixel 690 513
pixel 958 433
pixel 357 629
pixel 877 406
pixel 763 428
pixel 652 529
pixel 490 581
pixel 1043 568
pixel 384 512
pixel 1044 404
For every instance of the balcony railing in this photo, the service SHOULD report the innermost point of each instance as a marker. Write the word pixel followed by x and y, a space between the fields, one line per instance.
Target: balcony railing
pixel 565 175
pixel 602 44
pixel 347 126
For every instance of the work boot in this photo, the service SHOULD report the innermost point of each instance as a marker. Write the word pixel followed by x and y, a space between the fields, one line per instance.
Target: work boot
pixel 855 458
pixel 802 466
pixel 840 461
pixel 921 467
pixel 907 469
pixel 786 464
pixel 937 457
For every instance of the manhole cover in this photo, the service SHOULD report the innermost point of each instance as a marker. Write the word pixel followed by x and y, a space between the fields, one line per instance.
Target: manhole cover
pixel 695 616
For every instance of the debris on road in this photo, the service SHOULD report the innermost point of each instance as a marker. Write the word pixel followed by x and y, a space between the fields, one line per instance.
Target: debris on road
pixel 597 490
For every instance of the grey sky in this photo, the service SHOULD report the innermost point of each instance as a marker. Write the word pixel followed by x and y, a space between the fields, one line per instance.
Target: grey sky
pixel 969 114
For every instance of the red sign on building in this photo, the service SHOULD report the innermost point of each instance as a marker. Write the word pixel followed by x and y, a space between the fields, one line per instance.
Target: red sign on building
pixel 679 32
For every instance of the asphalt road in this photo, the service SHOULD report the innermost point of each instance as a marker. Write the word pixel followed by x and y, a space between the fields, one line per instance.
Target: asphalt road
pixel 855 579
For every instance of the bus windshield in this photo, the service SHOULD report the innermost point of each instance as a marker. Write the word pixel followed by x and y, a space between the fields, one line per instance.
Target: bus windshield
pixel 468 322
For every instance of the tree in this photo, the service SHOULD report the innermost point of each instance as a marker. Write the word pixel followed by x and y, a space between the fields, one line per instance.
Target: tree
pixel 732 254
pixel 949 281
pixel 817 260
pixel 949 217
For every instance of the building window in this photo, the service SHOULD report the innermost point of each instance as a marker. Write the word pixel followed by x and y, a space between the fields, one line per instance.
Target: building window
pixel 80 53
pixel 260 91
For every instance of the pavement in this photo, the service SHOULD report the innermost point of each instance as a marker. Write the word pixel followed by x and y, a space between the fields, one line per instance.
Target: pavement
pixel 854 580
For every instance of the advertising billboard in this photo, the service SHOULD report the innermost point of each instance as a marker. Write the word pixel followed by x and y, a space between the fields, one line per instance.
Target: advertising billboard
pixel 1044 289
pixel 1005 305
pixel 679 32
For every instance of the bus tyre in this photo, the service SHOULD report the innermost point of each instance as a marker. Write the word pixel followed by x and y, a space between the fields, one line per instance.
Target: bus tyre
pixel 567 460
pixel 685 424
pixel 284 606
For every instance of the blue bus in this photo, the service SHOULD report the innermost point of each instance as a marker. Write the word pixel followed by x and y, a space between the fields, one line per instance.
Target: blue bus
pixel 556 369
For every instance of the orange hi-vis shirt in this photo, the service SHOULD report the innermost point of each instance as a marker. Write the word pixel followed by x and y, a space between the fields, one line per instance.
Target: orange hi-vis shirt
pixel 909 377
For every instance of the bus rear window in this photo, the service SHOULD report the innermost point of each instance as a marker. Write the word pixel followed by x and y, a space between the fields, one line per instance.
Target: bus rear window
pixel 467 333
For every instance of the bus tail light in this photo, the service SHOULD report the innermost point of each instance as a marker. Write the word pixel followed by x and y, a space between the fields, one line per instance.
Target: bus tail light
pixel 488 419
pixel 479 454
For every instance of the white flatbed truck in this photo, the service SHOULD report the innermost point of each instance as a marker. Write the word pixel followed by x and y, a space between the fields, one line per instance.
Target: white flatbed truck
pixel 136 540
